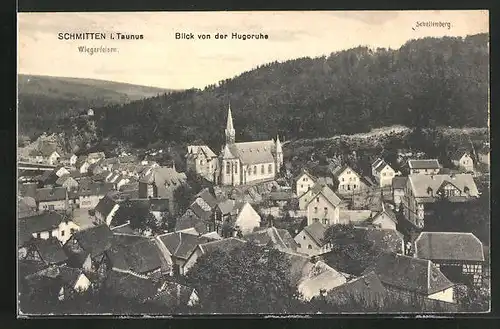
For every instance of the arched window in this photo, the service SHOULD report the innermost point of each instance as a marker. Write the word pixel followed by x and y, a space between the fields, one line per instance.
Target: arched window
pixel 429 190
pixel 270 168
pixel 255 170
pixel 262 169
pixel 309 247
pixel 228 168
pixel 236 167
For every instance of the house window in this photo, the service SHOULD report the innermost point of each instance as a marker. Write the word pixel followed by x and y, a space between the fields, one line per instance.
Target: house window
pixel 255 170
pixel 62 233
pixel 50 234
pixel 301 186
pixel 342 178
pixel 348 171
pixel 201 162
pixel 317 199
pixel 228 168
pixel 305 200
pixel 325 221
pixel 262 169
pixel 270 169
pixel 72 231
pixel 326 210
pixel 51 207
pixel 383 174
pixel 354 186
pixel 315 210
pixel 39 235
pixel 309 247
pixel 298 245
pixel 304 237
pixel 236 168
pixel 349 187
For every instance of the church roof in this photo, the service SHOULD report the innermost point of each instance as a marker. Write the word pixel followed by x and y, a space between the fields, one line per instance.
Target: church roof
pixel 254 152
pixel 229 125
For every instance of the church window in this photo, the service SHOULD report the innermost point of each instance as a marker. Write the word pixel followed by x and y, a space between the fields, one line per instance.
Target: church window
pixel 236 167
pixel 270 168
pixel 228 168
pixel 255 170
pixel 262 169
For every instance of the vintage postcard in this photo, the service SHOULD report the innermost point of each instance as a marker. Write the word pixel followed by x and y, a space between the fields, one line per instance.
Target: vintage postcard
pixel 265 162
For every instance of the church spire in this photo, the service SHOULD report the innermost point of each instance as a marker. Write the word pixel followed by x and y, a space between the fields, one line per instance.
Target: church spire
pixel 229 131
pixel 278 145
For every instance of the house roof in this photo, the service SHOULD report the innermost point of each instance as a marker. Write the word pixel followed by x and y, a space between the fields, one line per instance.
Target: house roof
pixel 424 164
pixel 212 235
pixel 381 166
pixel 278 238
pixel 226 206
pixel 130 286
pixel 258 152
pixel 105 206
pixel 95 240
pixel 304 172
pixel 139 254
pixel 69 275
pixel 195 149
pixel 385 239
pixel 27 190
pixel 61 180
pixel 190 220
pixel 321 276
pixel 459 153
pixel 409 273
pixel 224 245
pixel 421 183
pixel 377 162
pixel 30 267
pixel 51 194
pixel 300 266
pixel 340 170
pixel 181 244
pixel 172 294
pixel 207 197
pixel 50 250
pixel 280 196
pixel 43 222
pixel 26 206
pixel 367 287
pixel 389 213
pixel 327 192
pixel 94 188
pixel 453 246
pixel 96 155
pixel 316 231
pixel 200 212
pixel 399 182
pixel 164 176
pixel 124 228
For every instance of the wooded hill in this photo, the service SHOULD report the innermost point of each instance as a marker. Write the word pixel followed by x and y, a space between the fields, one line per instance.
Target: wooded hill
pixel 44 100
pixel 427 82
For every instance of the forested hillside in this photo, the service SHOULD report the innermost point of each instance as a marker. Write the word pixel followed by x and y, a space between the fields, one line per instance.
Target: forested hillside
pixel 44 101
pixel 427 82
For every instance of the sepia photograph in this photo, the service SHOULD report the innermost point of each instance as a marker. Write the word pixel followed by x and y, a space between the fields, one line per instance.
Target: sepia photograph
pixel 253 163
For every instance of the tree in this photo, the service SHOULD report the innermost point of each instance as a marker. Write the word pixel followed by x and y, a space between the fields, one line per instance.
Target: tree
pixel 169 221
pixel 138 215
pixel 247 279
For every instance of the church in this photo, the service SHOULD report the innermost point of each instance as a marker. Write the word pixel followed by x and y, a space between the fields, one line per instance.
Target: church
pixel 238 163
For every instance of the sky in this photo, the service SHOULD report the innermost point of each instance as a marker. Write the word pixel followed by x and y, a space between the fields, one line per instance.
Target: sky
pixel 160 60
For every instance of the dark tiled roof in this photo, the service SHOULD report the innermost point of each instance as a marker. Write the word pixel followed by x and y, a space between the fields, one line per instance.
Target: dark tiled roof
pixel 188 221
pixel 51 194
pixel 29 267
pixel 327 192
pixel 278 238
pixel 280 196
pixel 69 275
pixel 411 274
pixel 200 212
pixel 316 231
pixel 95 240
pixel 222 245
pixel 424 164
pixel 130 286
pixel 160 205
pixel 385 239
pixel 172 294
pixel 26 206
pixel 43 222
pixel 459 153
pixel 207 197
pixel 105 206
pixel 181 244
pixel 399 182
pixel 449 246
pixel 367 288
pixel 94 188
pixel 28 190
pixel 48 177
pixel 50 250
pixel 139 254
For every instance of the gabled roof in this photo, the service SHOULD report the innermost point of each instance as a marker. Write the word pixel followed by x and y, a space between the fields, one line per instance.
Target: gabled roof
pixel 368 288
pixel 304 172
pixel 340 170
pixel 277 238
pixel 226 206
pixel 424 164
pixel 381 165
pixel 250 153
pixel 51 194
pixel 30 267
pixel 96 155
pixel 26 206
pixel 385 239
pixel 69 275
pixel 94 188
pixel 164 176
pixel 200 212
pixel 180 244
pixel 377 162
pixel 459 153
pixel 421 183
pixel 316 231
pixel 189 220
pixel 61 180
pixel 326 192
pixel 300 266
pixel 399 182
pixel 195 149
pixel 224 245
pixel 94 240
pixel 130 286
pixel 50 250
pixel 207 197
pixel 43 222
pixel 452 246
pixel 411 274
pixel 389 213
pixel 321 276
pixel 105 206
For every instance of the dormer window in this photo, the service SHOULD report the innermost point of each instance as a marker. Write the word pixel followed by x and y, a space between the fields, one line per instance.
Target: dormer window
pixel 429 190
pixel 466 190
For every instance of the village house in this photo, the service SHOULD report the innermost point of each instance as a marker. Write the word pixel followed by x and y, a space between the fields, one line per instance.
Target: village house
pixel 463 160
pixel 383 172
pixel 310 240
pixel 61 171
pixel 242 163
pixel 138 254
pixel 90 194
pixel 422 190
pixel 385 219
pixel 105 210
pixel 483 155
pixel 72 160
pixel 176 247
pixel 46 153
pixel 47 225
pixel 350 182
pixel 82 165
pixel 323 205
pixel 95 157
pixel 240 216
pixel 398 190
pixel 201 160
pixel 320 278
pixel 426 167
pixel 209 247
pixel 162 182
pixel 407 276
pixel 48 251
pixel 303 182
pixel 458 255
pixel 86 250
pixel 273 237
pixel 67 182
pixel 52 198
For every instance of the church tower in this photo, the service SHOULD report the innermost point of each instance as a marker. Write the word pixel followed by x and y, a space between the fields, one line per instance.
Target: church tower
pixel 279 155
pixel 229 131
